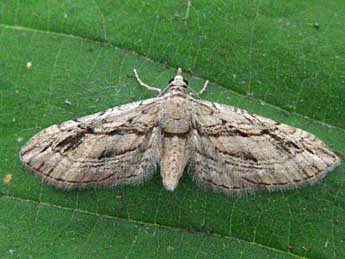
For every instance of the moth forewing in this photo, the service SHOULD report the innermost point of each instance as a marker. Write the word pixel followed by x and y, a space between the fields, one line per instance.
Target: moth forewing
pixel 230 150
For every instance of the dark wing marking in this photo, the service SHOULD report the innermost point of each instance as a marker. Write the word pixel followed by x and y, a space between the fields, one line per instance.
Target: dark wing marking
pixel 238 152
pixel 116 146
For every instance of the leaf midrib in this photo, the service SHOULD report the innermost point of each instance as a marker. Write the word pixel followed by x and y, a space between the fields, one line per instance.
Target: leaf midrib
pixel 167 66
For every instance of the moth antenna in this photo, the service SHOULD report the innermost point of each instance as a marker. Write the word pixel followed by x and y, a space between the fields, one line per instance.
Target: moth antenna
pixel 203 88
pixel 151 88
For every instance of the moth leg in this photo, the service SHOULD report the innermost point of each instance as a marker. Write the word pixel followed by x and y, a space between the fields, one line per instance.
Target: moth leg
pixel 203 88
pixel 151 88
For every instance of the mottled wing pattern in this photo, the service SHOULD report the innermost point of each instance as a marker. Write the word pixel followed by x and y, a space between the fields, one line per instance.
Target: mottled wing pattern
pixel 117 146
pixel 235 151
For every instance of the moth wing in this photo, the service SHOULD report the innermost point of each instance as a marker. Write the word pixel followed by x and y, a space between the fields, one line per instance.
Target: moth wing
pixel 235 151
pixel 117 146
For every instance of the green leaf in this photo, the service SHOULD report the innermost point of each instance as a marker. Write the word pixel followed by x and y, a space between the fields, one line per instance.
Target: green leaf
pixel 287 53
pixel 40 230
pixel 146 221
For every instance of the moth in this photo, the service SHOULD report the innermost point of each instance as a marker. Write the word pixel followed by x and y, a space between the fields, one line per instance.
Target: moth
pixel 230 150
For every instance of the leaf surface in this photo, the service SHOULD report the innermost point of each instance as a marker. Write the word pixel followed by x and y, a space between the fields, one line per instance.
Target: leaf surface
pixel 75 75
pixel 287 53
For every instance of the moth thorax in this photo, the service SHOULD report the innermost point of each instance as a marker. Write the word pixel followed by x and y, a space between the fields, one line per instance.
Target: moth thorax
pixel 176 118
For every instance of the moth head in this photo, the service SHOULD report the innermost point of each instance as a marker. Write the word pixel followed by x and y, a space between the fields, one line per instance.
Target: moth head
pixel 178 80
